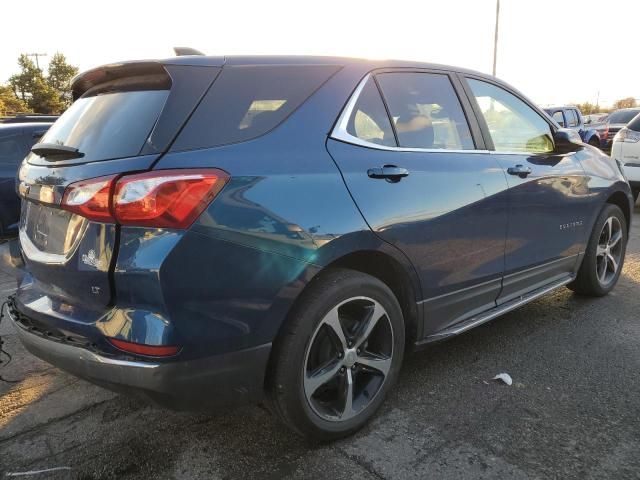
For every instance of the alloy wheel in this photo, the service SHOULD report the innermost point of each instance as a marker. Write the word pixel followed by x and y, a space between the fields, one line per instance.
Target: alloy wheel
pixel 609 251
pixel 348 359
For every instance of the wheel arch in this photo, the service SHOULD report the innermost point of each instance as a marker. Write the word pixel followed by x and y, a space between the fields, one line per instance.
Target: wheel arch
pixel 392 273
pixel 384 263
pixel 621 200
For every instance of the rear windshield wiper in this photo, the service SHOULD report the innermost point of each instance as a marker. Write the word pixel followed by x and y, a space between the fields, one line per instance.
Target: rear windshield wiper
pixel 53 151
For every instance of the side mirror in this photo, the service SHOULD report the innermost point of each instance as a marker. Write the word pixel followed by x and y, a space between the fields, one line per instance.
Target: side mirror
pixel 567 140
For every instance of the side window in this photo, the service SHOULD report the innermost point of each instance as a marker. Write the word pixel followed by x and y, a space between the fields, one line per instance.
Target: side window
pixel 246 102
pixel 572 119
pixel 557 116
pixel 426 111
pixel 514 126
pixel 369 120
pixel 12 151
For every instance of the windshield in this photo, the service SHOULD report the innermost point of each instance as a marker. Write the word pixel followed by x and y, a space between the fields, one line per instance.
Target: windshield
pixel 108 125
pixel 623 116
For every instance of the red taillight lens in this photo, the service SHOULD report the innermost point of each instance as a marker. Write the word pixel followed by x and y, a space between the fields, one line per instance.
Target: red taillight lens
pixel 166 198
pixel 162 198
pixel 90 198
pixel 142 349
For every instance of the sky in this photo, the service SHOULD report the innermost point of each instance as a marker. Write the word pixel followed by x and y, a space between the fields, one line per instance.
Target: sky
pixel 554 51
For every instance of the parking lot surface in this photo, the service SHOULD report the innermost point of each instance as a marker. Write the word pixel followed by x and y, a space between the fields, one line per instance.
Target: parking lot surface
pixel 573 410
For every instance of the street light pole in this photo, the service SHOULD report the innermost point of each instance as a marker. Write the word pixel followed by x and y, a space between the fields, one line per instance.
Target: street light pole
pixel 495 39
pixel 37 55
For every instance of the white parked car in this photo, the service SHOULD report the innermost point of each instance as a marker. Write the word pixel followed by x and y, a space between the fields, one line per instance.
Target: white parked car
pixel 626 150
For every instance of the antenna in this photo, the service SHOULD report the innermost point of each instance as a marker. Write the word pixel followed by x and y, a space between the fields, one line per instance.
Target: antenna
pixel 495 38
pixel 183 51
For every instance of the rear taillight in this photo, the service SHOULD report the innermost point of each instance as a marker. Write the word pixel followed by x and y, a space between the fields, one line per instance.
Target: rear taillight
pixel 170 198
pixel 626 135
pixel 162 199
pixel 90 198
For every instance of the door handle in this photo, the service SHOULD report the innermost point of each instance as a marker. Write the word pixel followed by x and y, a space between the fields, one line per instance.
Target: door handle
pixel 519 170
pixel 390 173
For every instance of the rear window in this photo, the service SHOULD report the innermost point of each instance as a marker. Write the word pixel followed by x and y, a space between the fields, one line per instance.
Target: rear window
pixel 110 122
pixel 635 123
pixel 623 116
pixel 248 101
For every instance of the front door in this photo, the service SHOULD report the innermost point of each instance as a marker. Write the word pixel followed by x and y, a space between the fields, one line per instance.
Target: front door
pixel 419 173
pixel 548 192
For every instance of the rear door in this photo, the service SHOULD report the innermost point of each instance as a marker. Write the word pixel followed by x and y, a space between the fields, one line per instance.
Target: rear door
pixel 419 173
pixel 548 192
pixel 125 117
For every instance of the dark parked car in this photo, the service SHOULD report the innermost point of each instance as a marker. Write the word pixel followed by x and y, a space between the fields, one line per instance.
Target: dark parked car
pixel 205 231
pixel 30 118
pixel 571 117
pixel 617 120
pixel 16 140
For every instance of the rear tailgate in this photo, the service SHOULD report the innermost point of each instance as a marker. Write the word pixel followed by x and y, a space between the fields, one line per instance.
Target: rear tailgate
pixel 124 117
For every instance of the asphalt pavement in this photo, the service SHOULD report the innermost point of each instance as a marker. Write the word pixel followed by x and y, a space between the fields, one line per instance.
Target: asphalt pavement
pixel 572 412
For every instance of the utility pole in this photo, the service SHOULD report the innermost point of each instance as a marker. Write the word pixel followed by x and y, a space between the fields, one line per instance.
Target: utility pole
pixel 495 39
pixel 37 55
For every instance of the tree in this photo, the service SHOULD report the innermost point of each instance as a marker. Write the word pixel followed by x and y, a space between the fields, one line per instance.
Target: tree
pixel 9 103
pixel 24 81
pixel 628 102
pixel 59 77
pixel 50 94
pixel 45 99
pixel 587 108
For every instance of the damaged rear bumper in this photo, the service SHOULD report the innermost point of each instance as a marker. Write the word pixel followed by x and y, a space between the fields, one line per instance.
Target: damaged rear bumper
pixel 206 383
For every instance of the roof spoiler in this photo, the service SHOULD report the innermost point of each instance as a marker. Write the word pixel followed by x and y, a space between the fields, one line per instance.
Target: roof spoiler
pixel 184 51
pixel 86 80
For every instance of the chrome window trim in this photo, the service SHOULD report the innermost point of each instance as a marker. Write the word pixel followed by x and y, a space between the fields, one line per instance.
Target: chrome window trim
pixel 340 132
pixel 529 154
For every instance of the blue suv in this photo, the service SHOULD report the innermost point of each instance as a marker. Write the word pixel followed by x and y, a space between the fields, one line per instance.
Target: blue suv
pixel 207 231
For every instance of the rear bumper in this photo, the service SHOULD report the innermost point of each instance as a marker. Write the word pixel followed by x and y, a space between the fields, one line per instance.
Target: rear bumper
pixel 206 383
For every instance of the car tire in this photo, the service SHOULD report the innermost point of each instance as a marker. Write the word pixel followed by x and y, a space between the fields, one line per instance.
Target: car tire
pixel 604 257
pixel 325 385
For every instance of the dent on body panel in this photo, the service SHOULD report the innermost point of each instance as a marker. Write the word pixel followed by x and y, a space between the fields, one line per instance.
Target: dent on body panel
pixel 141 315
pixel 291 215
pixel 221 295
